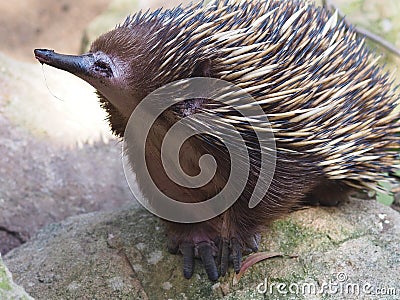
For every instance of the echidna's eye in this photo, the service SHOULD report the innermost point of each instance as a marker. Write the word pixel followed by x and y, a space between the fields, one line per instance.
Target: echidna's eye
pixel 103 68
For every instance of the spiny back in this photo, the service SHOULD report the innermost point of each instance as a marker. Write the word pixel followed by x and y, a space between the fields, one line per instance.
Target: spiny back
pixel 319 86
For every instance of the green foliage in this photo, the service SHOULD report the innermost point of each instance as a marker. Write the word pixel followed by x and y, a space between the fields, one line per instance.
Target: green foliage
pixel 385 198
pixel 4 281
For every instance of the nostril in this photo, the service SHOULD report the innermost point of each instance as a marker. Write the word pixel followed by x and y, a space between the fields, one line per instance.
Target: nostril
pixel 42 55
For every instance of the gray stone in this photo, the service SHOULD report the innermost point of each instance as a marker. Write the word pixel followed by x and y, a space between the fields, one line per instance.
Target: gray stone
pixel 56 159
pixel 122 255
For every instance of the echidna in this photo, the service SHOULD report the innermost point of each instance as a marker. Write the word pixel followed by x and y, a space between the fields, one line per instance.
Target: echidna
pixel 330 106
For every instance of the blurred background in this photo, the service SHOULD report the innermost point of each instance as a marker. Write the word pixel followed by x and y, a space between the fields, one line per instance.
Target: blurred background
pixel 68 24
pixel 57 157
pixel 60 24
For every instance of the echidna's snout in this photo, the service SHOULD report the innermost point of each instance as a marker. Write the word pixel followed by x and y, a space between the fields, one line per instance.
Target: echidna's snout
pixel 86 66
pixel 74 64
pixel 99 70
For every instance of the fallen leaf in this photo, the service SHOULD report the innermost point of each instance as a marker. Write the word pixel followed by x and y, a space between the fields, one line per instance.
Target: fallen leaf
pixel 255 258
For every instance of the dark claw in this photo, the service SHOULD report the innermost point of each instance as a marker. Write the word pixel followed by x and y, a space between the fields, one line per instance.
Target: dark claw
pixel 224 256
pixel 218 243
pixel 187 250
pixel 205 253
pixel 236 254
pixel 252 242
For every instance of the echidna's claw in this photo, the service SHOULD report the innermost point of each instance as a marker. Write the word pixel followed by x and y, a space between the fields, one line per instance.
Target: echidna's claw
pixel 187 250
pixel 253 241
pixel 223 257
pixel 206 255
pixel 216 254
pixel 232 250
pixel 236 249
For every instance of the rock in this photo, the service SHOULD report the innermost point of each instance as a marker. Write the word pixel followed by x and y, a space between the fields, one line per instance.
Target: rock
pixel 56 158
pixel 30 24
pixel 8 289
pixel 122 255
pixel 117 13
pixel 50 104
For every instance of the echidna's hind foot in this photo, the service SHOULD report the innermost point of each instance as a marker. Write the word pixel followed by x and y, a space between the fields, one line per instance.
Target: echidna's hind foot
pixel 232 250
pixel 328 193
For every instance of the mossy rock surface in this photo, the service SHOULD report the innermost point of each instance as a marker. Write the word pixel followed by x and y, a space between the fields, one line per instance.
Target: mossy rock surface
pixel 8 289
pixel 122 255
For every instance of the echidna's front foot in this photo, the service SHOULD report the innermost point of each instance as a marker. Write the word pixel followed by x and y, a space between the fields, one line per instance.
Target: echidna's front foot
pixel 191 249
pixel 217 249
pixel 232 250
pixel 215 253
